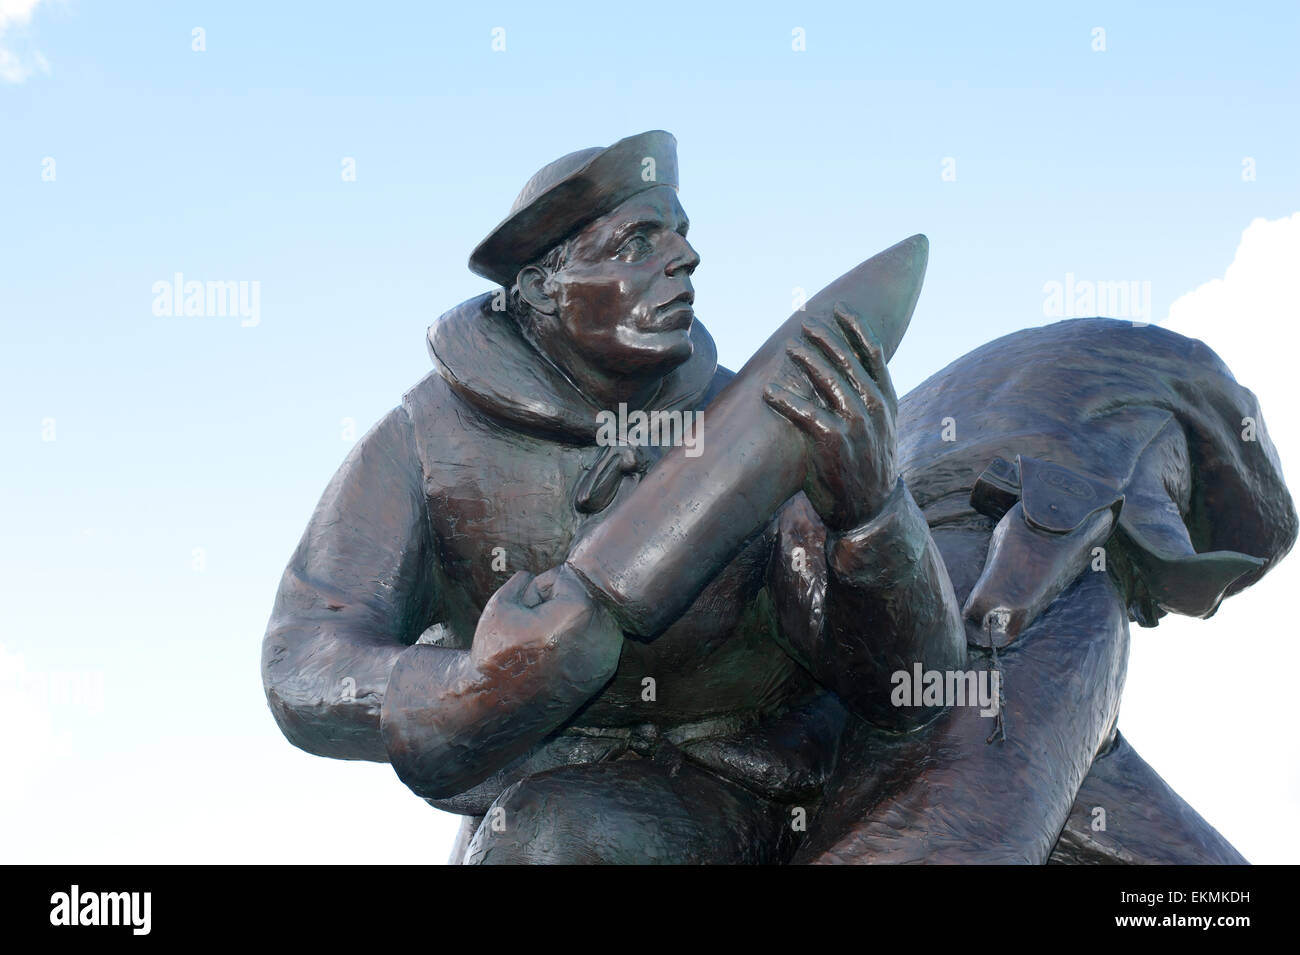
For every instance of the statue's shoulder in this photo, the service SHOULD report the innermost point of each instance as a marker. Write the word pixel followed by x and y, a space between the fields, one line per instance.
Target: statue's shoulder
pixel 432 407
pixel 426 395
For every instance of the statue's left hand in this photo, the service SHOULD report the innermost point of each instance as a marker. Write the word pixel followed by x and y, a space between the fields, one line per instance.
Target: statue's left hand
pixel 851 432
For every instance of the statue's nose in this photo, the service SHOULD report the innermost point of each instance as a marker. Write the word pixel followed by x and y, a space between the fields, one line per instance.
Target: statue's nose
pixel 686 259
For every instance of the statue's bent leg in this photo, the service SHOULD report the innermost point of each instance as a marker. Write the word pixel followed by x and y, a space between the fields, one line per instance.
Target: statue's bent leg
pixel 1126 814
pixel 634 811
pixel 946 794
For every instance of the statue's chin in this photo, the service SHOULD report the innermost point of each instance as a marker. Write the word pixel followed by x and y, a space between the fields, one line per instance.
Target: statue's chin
pixel 668 350
pixel 653 355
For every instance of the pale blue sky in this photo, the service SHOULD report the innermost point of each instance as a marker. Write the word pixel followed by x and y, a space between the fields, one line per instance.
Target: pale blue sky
pixel 175 433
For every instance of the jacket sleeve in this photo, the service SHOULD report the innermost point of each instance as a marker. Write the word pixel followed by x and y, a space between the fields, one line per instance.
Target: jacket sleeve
pixel 358 590
pixel 859 607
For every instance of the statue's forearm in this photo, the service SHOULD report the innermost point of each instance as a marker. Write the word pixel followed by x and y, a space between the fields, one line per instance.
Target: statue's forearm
pixel 451 718
pixel 448 725
pixel 889 607
pixel 859 607
pixel 325 689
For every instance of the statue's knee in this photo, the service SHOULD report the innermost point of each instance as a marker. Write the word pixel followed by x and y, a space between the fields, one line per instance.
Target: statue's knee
pixel 632 812
pixel 512 830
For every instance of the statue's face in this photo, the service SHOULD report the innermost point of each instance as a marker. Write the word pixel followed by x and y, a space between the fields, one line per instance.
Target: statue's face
pixel 624 300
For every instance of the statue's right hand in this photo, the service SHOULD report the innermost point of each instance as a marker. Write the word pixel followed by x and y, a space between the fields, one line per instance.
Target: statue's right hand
pixel 547 628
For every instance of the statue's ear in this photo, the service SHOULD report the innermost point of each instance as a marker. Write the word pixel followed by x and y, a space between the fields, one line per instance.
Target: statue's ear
pixel 532 288
pixel 1153 532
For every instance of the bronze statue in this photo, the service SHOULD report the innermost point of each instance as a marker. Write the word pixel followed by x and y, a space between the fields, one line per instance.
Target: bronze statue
pixel 613 603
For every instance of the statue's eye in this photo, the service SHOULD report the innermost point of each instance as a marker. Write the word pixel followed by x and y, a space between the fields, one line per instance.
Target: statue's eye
pixel 636 246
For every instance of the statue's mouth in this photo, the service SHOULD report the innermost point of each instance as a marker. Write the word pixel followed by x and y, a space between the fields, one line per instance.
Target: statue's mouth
pixel 677 318
pixel 676 314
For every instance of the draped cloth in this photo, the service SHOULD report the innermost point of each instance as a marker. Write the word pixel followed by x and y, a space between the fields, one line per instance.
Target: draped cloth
pixel 1152 413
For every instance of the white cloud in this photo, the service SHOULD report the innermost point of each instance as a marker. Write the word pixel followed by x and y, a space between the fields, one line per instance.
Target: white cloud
pixel 16 11
pixel 15 15
pixel 1208 702
pixel 1250 318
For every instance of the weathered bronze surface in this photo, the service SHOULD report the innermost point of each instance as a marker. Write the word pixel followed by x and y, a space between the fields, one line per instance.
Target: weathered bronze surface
pixel 708 634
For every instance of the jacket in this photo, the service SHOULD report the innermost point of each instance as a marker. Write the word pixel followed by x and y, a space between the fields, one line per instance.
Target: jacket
pixel 489 466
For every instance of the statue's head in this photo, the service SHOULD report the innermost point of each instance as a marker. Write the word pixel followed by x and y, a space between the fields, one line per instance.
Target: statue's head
pixel 596 260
